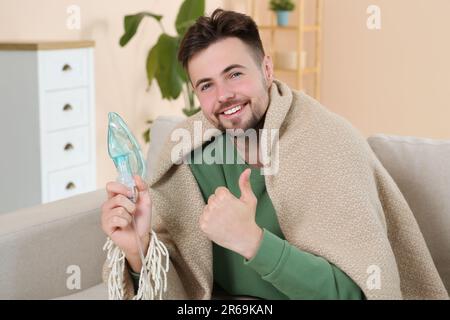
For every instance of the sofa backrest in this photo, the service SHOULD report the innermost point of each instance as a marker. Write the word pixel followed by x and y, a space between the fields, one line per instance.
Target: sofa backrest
pixel 421 169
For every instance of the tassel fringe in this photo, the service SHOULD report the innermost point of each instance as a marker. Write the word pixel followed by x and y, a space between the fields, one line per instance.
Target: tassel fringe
pixel 156 266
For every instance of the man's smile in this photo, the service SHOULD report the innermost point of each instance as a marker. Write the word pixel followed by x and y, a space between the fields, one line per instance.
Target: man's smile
pixel 233 111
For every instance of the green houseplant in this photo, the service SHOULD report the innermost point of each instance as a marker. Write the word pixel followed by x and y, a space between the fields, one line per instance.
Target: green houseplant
pixel 282 8
pixel 162 64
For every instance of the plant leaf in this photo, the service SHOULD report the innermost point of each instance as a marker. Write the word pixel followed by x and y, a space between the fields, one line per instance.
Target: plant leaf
pixel 146 135
pixel 131 24
pixel 152 64
pixel 189 11
pixel 181 72
pixel 166 74
pixel 180 69
pixel 190 112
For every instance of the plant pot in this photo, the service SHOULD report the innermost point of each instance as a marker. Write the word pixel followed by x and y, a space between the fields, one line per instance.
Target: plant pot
pixel 282 18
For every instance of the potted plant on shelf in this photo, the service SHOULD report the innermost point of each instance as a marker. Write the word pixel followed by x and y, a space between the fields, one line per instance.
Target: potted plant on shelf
pixel 282 9
pixel 162 64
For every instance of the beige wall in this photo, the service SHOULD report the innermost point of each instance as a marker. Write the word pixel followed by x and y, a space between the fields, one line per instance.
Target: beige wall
pixel 396 80
pixel 120 72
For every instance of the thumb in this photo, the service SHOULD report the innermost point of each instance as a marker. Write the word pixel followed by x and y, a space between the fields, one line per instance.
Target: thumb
pixel 141 186
pixel 140 183
pixel 247 194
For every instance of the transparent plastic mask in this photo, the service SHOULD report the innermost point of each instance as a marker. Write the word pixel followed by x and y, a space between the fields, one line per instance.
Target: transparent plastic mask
pixel 124 151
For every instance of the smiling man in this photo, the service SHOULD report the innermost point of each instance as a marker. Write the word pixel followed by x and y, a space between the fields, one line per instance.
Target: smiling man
pixel 330 224
pixel 230 97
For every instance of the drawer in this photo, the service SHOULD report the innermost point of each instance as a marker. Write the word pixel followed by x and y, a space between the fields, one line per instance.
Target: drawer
pixel 69 182
pixel 66 108
pixel 67 148
pixel 64 68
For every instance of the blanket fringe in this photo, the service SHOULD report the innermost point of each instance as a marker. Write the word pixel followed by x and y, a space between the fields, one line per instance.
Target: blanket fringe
pixel 150 287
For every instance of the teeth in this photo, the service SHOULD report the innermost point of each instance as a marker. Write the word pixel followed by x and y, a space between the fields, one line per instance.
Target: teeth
pixel 231 111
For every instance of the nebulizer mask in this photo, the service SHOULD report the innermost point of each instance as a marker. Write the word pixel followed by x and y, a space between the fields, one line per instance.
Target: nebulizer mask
pixel 127 157
pixel 125 153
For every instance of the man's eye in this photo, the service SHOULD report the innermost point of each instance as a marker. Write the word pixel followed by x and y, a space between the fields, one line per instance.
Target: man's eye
pixel 204 87
pixel 236 74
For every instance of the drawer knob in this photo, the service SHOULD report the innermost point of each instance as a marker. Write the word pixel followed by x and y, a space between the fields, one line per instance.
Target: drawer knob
pixel 70 186
pixel 67 107
pixel 68 147
pixel 66 68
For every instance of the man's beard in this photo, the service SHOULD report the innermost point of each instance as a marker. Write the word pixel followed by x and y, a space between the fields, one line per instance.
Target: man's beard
pixel 252 122
pixel 256 120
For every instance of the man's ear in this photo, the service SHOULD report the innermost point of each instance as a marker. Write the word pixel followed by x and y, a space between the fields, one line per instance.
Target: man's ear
pixel 268 69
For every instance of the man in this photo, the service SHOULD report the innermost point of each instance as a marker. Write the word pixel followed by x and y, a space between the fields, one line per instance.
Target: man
pixel 329 223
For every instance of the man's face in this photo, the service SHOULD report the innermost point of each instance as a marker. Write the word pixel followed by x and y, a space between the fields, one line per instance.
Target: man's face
pixel 232 89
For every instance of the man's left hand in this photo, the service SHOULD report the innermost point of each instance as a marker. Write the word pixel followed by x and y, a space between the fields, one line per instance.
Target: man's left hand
pixel 230 222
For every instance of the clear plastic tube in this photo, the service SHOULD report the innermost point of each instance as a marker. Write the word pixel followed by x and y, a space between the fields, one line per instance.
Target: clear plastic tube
pixel 126 179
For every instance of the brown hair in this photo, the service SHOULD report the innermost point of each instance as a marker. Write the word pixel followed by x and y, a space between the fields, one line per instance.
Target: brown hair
pixel 222 24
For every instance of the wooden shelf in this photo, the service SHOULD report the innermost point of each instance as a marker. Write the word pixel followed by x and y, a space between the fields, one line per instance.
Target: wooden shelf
pixel 293 28
pixel 310 71
pixel 312 28
pixel 305 71
pixel 307 28
pixel 300 28
pixel 45 45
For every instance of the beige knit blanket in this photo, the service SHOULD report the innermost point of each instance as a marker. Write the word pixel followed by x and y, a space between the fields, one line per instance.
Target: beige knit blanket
pixel 333 199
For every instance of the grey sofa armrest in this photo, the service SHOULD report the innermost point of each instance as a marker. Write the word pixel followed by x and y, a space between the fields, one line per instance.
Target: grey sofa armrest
pixel 38 246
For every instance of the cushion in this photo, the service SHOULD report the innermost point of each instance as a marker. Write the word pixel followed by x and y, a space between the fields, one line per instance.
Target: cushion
pixel 421 169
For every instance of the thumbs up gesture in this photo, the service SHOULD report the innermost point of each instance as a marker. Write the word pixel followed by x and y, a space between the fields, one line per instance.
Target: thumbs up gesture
pixel 230 222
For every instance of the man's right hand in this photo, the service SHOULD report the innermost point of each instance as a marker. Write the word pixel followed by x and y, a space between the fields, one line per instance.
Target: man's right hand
pixel 117 223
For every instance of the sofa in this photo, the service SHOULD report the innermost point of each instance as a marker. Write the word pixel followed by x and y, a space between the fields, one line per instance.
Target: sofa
pixel 44 247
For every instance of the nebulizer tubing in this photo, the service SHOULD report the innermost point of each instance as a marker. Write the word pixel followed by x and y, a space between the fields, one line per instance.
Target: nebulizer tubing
pixel 126 178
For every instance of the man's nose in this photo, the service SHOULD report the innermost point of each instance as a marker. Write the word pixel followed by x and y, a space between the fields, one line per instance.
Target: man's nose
pixel 224 94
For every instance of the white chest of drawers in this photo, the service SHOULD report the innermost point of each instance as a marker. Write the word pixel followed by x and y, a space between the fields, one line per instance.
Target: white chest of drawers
pixel 47 128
